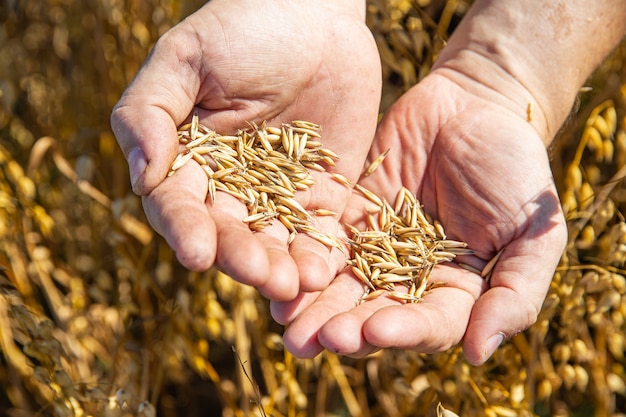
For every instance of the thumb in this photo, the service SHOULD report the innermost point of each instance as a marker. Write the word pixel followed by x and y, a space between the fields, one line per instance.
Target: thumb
pixel 148 139
pixel 499 313
pixel 518 286
pixel 146 118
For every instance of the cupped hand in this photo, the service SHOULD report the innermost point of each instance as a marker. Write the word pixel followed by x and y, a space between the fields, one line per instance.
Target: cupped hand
pixel 239 61
pixel 480 168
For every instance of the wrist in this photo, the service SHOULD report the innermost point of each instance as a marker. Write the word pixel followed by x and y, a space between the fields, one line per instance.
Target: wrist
pixel 528 54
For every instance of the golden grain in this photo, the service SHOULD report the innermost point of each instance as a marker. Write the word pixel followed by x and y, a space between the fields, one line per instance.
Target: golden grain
pixel 262 166
pixel 488 268
pixel 376 163
pixel 313 165
pixel 180 161
pixel 311 131
pixel 258 217
pixel 402 247
pixel 369 195
pixel 341 179
pixel 196 143
pixel 324 212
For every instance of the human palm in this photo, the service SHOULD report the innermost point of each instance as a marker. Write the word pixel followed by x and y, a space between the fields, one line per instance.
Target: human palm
pixel 239 61
pixel 480 169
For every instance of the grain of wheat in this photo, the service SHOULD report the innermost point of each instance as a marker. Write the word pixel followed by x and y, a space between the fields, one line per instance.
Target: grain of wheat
pixel 376 163
pixel 401 249
pixel 264 167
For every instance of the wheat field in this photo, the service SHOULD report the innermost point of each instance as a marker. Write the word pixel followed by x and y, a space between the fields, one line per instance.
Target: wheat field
pixel 97 318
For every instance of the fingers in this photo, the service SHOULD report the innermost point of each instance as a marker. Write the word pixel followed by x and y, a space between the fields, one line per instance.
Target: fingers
pixel 334 321
pixel 301 336
pixel 433 325
pixel 176 210
pixel 286 311
pixel 504 311
pixel 146 117
pixel 318 263
pixel 203 236
pixel 501 312
pixel 258 259
pixel 147 136
pixel 519 284
pixel 314 265
pixel 312 259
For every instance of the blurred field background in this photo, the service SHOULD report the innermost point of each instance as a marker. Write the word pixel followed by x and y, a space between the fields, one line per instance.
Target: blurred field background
pixel 97 318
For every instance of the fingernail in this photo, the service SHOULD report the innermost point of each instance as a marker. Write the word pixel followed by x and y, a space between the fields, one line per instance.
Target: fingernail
pixel 136 165
pixel 492 344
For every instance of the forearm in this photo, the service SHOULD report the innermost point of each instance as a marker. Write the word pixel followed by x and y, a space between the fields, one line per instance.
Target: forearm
pixel 537 54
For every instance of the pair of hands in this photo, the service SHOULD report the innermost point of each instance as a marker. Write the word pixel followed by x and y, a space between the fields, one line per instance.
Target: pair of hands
pixel 474 162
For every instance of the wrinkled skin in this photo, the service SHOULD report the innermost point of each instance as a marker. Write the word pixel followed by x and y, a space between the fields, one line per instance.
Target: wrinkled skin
pixel 469 155
pixel 483 171
pixel 237 61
